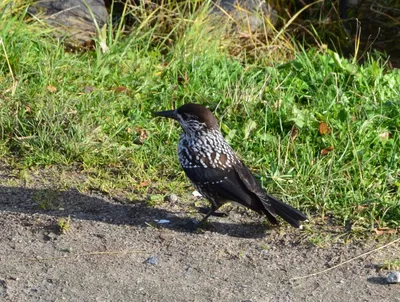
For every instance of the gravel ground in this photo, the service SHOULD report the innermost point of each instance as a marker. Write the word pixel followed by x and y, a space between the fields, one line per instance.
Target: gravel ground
pixel 114 250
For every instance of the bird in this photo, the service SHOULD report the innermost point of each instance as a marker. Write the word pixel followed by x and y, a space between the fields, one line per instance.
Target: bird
pixel 216 171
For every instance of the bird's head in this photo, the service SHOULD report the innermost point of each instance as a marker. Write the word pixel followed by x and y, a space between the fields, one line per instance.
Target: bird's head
pixel 193 118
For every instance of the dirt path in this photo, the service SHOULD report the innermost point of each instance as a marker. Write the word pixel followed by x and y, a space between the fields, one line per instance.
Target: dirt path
pixel 238 260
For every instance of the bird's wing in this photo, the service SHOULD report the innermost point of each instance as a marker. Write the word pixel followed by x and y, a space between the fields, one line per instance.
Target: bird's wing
pixel 253 186
pixel 226 184
pixel 248 179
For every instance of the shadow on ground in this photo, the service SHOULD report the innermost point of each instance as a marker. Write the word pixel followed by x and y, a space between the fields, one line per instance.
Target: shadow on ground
pixel 97 207
pixel 378 280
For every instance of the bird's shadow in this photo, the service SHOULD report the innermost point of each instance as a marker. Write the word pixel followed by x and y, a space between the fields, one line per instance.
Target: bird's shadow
pixel 99 207
pixel 377 280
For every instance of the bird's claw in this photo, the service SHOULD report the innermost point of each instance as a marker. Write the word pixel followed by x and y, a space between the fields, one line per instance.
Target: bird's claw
pixel 204 210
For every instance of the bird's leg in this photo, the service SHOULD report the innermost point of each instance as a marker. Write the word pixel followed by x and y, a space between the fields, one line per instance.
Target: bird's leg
pixel 212 211
pixel 204 210
pixel 192 225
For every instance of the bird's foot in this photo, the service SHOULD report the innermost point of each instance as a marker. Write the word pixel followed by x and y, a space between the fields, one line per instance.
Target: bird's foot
pixel 204 210
pixel 194 226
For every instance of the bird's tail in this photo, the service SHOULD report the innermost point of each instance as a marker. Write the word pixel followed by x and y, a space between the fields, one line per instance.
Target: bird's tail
pixel 287 212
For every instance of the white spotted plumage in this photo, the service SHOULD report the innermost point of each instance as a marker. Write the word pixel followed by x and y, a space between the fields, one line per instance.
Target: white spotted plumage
pixel 205 149
pixel 215 170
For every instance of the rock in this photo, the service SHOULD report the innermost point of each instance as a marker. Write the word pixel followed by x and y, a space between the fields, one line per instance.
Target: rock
pixel 72 18
pixel 246 13
pixel 393 277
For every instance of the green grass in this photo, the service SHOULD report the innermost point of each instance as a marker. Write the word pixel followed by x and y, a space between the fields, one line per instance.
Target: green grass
pixel 85 124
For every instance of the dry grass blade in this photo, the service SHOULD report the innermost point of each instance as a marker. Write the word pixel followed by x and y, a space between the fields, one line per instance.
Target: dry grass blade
pixel 345 262
pixel 283 29
pixel 15 83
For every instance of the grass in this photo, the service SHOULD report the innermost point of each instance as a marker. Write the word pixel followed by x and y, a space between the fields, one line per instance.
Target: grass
pixel 320 131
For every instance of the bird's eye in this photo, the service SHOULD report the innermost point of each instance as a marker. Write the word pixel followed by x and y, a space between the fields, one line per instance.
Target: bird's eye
pixel 187 116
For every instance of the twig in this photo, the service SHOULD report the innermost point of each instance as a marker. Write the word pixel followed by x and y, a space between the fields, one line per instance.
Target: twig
pixel 345 262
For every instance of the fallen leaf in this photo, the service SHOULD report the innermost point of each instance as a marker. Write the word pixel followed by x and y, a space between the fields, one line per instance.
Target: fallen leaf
pixel 294 132
pixel 326 150
pixel 141 135
pixel 360 208
pixel 144 183
pixel 324 129
pixel 88 44
pixel 383 231
pixel 121 89
pixel 51 89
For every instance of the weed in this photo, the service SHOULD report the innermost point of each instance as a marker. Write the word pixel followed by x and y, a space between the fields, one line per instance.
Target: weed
pixel 46 199
pixel 64 224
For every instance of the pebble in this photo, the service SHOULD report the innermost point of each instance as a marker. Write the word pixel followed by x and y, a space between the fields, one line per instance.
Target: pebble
pixel 51 236
pixel 152 260
pixel 171 198
pixel 393 277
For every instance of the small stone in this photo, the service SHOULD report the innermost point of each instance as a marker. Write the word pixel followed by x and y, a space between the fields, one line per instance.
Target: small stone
pixel 68 250
pixel 50 236
pixel 393 277
pixel 152 260
pixel 171 198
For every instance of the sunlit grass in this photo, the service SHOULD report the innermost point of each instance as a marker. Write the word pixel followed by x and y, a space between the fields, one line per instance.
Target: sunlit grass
pixel 92 111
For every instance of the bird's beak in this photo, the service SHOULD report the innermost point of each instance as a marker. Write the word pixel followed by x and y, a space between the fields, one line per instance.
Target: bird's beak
pixel 169 114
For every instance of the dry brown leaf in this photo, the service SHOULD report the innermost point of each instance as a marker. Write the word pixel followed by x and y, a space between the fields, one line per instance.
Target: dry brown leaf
pixel 326 150
pixel 144 183
pixel 51 88
pixel 360 208
pixel 324 129
pixel 141 135
pixel 384 231
pixel 294 132
pixel 121 89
